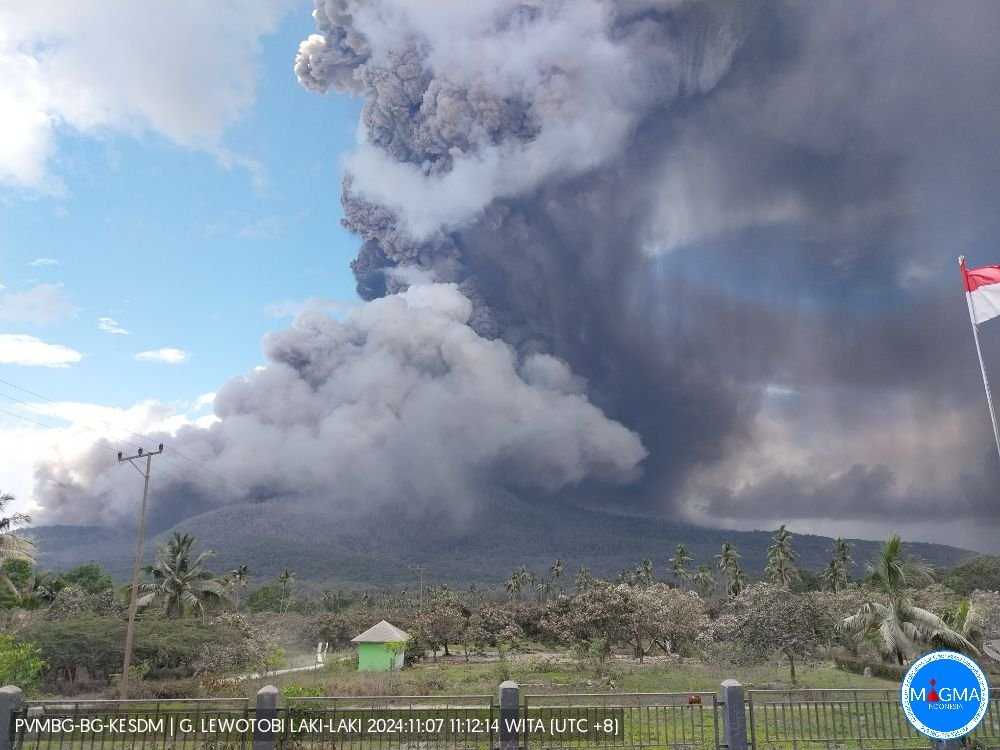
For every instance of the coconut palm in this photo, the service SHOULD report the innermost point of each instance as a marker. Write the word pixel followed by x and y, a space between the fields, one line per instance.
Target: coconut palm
pixel 180 583
pixel 513 586
pixel 728 562
pixel 557 569
pixel 704 580
pixel 780 559
pixel 678 563
pixel 835 574
pixel 285 579
pixel 888 618
pixel 645 571
pixel 583 579
pixel 240 579
pixel 13 547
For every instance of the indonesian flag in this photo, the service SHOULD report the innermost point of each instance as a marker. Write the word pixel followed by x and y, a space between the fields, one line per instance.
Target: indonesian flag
pixel 982 288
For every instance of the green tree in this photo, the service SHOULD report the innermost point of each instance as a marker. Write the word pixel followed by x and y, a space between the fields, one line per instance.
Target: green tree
pixel 89 576
pixel 179 583
pixel 15 577
pixel 21 664
pixel 728 562
pixel 888 617
pixel 679 562
pixel 781 558
pixel 582 580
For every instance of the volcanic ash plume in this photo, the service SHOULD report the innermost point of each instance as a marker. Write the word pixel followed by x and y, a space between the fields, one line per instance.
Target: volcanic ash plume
pixel 401 404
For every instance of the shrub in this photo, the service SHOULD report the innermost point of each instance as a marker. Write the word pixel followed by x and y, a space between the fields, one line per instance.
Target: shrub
pixel 21 664
pixel 857 665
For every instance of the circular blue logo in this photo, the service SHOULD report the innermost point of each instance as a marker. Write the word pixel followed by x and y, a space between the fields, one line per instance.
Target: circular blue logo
pixel 945 695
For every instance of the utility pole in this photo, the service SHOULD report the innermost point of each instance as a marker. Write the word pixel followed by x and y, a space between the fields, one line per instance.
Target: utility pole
pixel 134 601
pixel 420 568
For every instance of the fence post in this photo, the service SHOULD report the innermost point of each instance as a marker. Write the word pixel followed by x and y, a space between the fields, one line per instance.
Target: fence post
pixel 510 707
pixel 11 700
pixel 734 717
pixel 947 744
pixel 264 716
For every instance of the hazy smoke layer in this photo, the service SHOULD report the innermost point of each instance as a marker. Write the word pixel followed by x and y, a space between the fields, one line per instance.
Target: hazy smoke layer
pixel 400 404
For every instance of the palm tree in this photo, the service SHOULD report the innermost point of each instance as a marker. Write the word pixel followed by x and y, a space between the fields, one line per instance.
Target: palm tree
pixel 285 579
pixel 888 618
pixel 645 571
pixel 839 563
pixel 13 547
pixel 780 558
pixel 728 562
pixel 704 580
pixel 557 570
pixel 583 579
pixel 678 563
pixel 513 586
pixel 180 583
pixel 240 578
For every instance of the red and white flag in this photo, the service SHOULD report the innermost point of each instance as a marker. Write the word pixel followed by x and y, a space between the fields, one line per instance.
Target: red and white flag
pixel 982 287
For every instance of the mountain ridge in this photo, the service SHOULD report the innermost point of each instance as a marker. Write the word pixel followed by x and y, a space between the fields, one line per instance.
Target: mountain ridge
pixel 378 548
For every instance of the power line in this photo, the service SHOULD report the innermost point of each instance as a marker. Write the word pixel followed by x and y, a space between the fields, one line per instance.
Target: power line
pixel 176 452
pixel 53 401
pixel 51 413
pixel 53 427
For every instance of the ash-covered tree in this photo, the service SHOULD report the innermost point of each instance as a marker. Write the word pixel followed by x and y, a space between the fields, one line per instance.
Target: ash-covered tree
pixel 835 575
pixel 679 563
pixel 443 621
pixel 494 625
pixel 888 617
pixel 781 559
pixel 728 562
pixel 770 620
pixel 674 617
pixel 704 580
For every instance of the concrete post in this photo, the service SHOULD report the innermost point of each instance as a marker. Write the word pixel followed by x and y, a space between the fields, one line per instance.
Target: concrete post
pixel 267 711
pixel 510 708
pixel 947 744
pixel 11 700
pixel 734 717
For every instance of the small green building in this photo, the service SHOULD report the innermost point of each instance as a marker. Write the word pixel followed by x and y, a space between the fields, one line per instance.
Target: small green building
pixel 380 648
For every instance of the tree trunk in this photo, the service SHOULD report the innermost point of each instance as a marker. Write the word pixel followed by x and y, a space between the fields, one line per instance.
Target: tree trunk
pixel 791 664
pixel 446 649
pixel 899 657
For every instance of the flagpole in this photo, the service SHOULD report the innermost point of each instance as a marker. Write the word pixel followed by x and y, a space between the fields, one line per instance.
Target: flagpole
pixel 979 353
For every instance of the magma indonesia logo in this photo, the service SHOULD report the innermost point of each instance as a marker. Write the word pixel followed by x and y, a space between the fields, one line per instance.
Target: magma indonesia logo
pixel 945 695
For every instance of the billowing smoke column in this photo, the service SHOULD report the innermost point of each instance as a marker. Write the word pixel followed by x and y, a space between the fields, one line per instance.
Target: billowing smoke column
pixel 722 233
pixel 706 209
pixel 400 405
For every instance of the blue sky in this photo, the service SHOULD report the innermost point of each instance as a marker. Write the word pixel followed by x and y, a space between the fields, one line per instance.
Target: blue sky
pixel 178 249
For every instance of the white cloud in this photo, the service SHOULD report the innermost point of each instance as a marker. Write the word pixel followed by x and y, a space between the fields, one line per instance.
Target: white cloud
pixel 166 355
pixel 24 443
pixel 292 308
pixel 20 349
pixel 110 325
pixel 43 304
pixel 44 262
pixel 205 399
pixel 83 66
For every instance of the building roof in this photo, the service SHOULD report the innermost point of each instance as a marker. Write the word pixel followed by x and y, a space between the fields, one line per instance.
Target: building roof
pixel 381 633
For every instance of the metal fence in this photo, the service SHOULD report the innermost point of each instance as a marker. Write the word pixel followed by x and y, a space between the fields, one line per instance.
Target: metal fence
pixel 845 718
pixel 861 719
pixel 449 722
pixel 679 721
pixel 133 724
